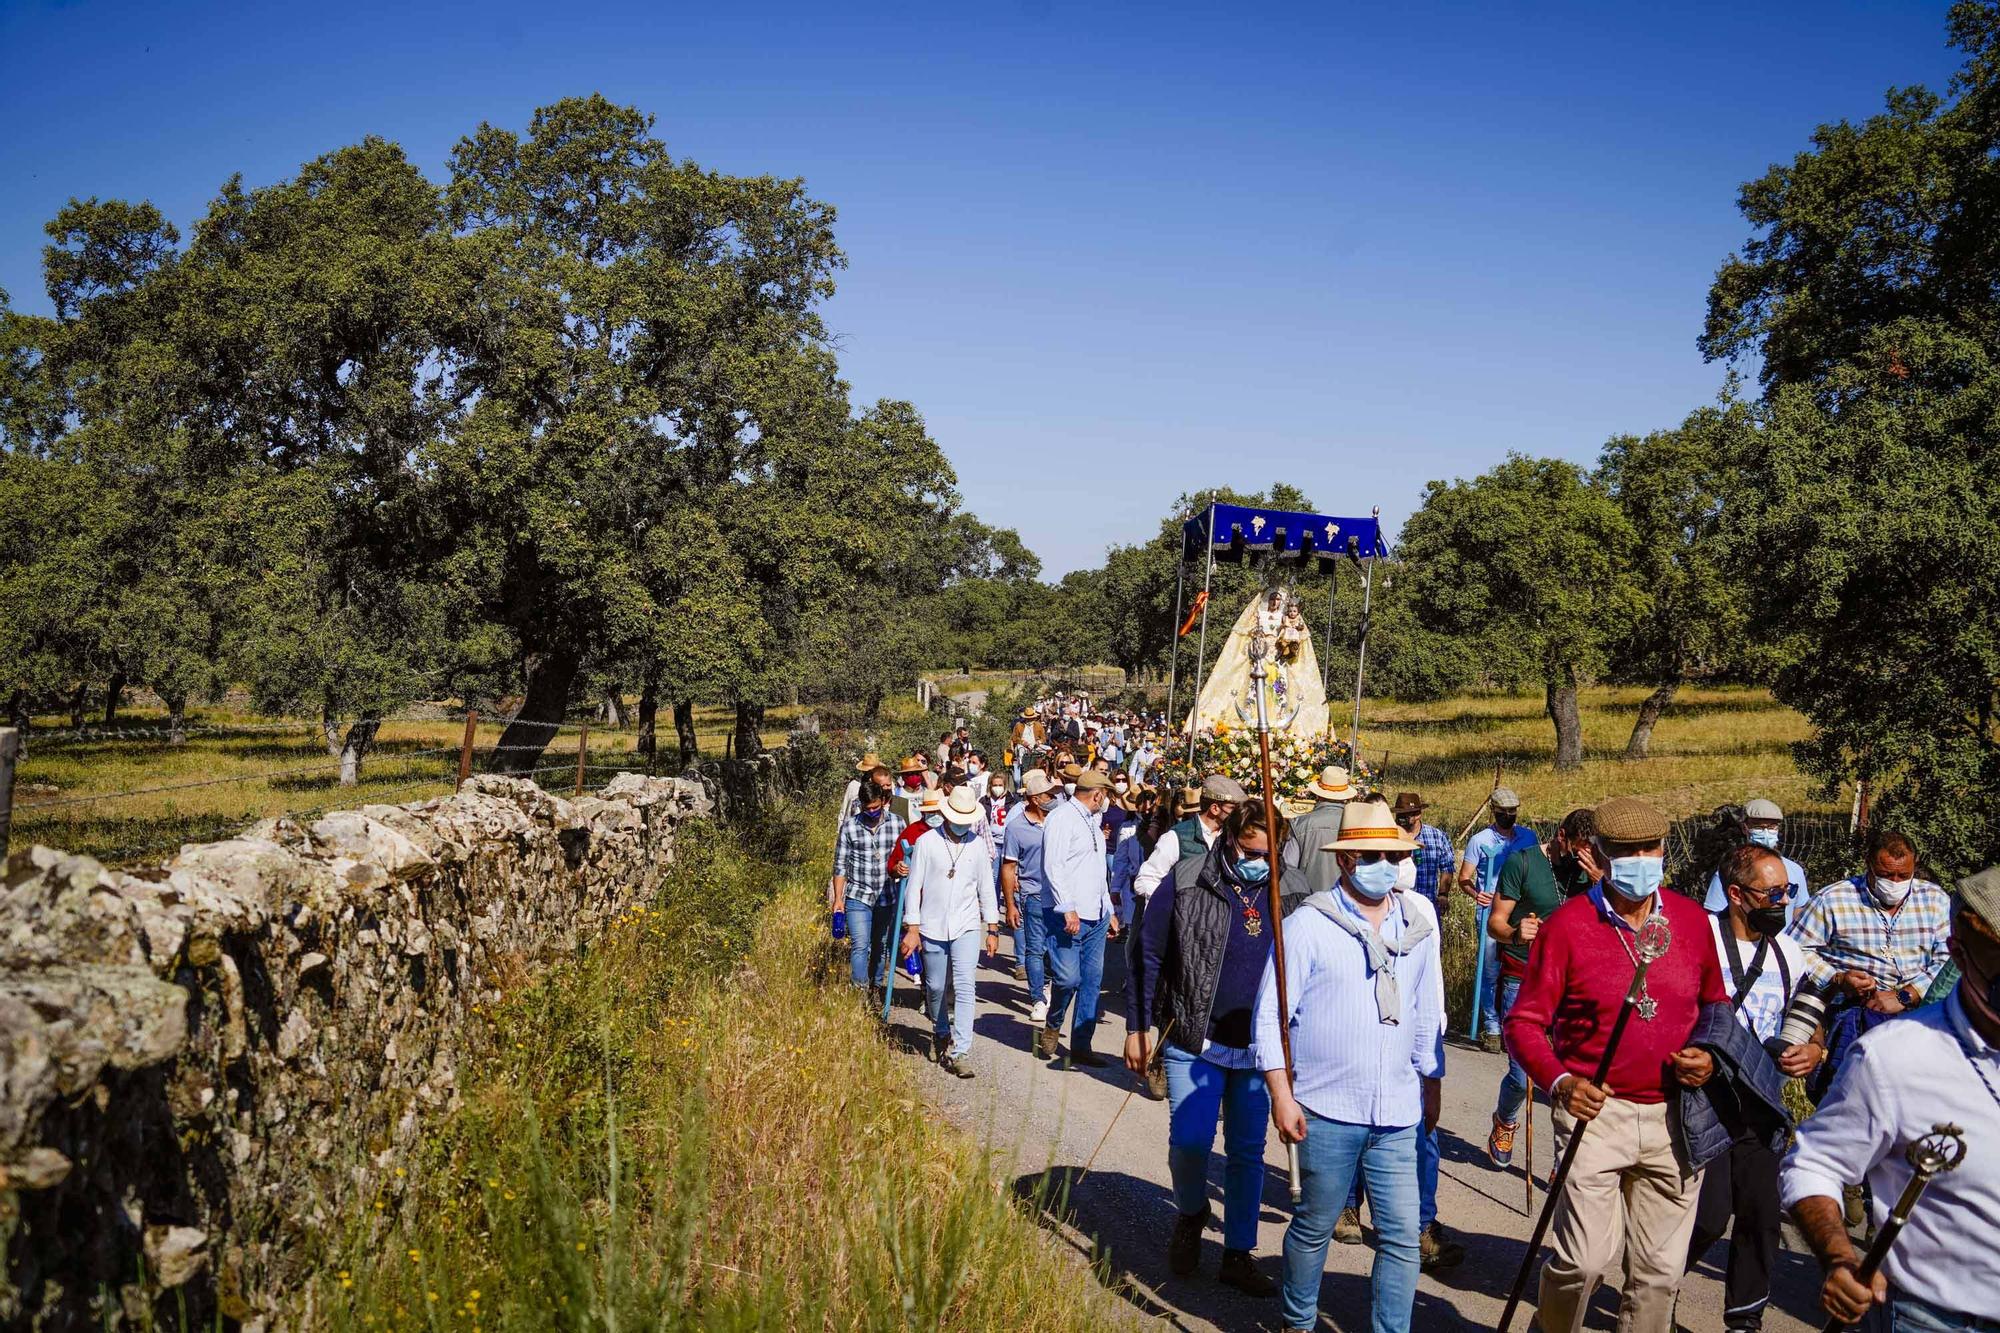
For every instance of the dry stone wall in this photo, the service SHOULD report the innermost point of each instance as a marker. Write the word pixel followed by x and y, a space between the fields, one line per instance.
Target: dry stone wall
pixel 203 1063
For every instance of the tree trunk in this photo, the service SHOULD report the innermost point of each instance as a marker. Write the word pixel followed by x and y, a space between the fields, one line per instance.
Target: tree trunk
pixel 684 731
pixel 648 743
pixel 534 726
pixel 114 694
pixel 749 725
pixel 873 710
pixel 615 715
pixel 79 700
pixel 1649 716
pixel 17 710
pixel 177 717
pixel 359 741
pixel 1561 703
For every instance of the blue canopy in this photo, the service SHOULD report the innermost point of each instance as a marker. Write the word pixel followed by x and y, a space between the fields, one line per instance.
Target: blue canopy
pixel 1241 531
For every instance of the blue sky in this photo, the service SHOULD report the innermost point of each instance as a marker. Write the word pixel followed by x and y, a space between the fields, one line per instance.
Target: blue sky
pixel 1113 253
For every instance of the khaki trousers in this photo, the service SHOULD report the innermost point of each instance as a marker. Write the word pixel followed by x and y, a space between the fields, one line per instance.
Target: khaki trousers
pixel 1627 1191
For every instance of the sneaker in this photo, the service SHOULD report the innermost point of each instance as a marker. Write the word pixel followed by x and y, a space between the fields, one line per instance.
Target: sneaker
pixel 1045 1043
pixel 1038 1012
pixel 1437 1252
pixel 1500 1143
pixel 952 1064
pixel 1489 1042
pixel 1348 1229
pixel 1240 1271
pixel 1184 1247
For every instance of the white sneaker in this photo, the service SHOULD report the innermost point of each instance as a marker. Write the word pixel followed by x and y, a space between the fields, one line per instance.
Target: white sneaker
pixel 1040 1012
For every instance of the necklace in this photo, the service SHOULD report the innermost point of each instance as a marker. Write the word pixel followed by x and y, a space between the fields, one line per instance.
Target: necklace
pixel 956 857
pixel 1647 1006
pixel 1253 920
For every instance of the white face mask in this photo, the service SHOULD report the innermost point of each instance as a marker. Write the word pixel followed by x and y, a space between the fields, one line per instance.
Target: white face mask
pixel 1891 892
pixel 1406 873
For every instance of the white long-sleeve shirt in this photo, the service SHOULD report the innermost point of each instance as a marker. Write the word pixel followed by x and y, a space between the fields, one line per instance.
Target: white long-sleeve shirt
pixel 1903 1077
pixel 1166 854
pixel 1348 1065
pixel 1073 862
pixel 951 887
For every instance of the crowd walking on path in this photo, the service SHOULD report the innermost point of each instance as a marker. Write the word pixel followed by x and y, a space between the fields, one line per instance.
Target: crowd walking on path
pixel 1661 1022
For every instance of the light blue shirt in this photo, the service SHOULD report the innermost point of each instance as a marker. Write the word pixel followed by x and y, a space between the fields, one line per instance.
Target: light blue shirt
pixel 1488 851
pixel 1073 863
pixel 1347 1064
pixel 1795 879
pixel 1021 843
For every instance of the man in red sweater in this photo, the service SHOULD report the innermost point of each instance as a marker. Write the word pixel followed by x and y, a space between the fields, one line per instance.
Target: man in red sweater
pixel 1629 1187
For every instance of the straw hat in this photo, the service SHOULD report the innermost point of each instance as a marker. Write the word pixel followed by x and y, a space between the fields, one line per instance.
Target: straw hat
pixel 930 802
pixel 869 763
pixel 1367 826
pixel 911 764
pixel 1034 782
pixel 1071 772
pixel 961 807
pixel 1187 801
pixel 1332 784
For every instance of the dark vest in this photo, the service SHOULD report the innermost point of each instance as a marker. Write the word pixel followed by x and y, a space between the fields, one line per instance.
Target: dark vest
pixel 1196 939
pixel 1187 835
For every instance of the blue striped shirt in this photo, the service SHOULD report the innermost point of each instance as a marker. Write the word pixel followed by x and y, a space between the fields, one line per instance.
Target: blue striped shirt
pixel 1348 1064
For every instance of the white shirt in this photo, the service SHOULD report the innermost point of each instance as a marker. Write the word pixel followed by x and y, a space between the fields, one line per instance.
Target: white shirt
pixel 1347 1064
pixel 1912 1072
pixel 1762 1012
pixel 1073 862
pixel 951 887
pixel 1166 854
pixel 850 799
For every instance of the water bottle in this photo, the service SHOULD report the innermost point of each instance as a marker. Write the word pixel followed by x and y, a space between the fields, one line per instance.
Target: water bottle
pixel 840 923
pixel 911 965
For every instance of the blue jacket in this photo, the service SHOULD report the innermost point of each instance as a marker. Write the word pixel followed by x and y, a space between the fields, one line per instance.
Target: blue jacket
pixel 1744 1097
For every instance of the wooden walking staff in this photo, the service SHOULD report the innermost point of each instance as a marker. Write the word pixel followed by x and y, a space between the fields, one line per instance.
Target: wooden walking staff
pixel 1937 1152
pixel 1276 908
pixel 1650 946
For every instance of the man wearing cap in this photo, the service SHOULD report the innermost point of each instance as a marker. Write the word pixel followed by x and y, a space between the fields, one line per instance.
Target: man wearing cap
pixel 1022 882
pixel 1940 1065
pixel 1486 854
pixel 1219 795
pixel 1079 914
pixel 949 895
pixel 1761 824
pixel 1527 896
pixel 1433 859
pixel 1364 1089
pixel 1027 736
pixel 1315 831
pixel 1629 1186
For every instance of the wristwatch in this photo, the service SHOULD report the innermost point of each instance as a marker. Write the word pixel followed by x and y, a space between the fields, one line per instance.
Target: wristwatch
pixel 1909 995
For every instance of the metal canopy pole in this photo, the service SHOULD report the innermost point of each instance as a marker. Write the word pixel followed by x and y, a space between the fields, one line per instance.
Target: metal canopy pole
pixel 1201 649
pixel 1361 654
pixel 1174 670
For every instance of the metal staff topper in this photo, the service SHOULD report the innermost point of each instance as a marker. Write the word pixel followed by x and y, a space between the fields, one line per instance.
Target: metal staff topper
pixel 1932 1155
pixel 1654 938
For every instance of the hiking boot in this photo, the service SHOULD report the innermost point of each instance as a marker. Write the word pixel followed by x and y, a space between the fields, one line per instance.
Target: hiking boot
pixel 954 1065
pixel 1856 1203
pixel 1500 1143
pixel 1489 1042
pixel 1437 1251
pixel 1348 1229
pixel 1038 1012
pixel 1045 1043
pixel 1240 1271
pixel 1086 1057
pixel 1156 1083
pixel 1184 1247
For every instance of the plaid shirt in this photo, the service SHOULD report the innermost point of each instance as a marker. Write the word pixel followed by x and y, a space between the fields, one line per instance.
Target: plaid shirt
pixel 1434 860
pixel 861 855
pixel 1844 927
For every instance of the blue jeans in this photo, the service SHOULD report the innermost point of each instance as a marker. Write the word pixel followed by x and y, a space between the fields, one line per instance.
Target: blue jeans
pixel 1031 945
pixel 1333 1152
pixel 1076 971
pixel 1427 1180
pixel 1489 984
pixel 871 940
pixel 1907 1314
pixel 1197 1093
pixel 1513 1084
pixel 961 956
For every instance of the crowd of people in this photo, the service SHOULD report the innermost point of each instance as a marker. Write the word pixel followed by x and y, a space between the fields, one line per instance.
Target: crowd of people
pixel 1881 991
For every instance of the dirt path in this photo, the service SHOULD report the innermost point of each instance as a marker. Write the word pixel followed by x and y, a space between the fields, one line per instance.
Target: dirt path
pixel 1034 1117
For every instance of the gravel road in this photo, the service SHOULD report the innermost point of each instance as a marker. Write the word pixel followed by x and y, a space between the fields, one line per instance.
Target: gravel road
pixel 1041 1123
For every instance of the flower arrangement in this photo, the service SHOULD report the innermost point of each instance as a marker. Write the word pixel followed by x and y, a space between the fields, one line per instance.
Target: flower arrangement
pixel 1295 761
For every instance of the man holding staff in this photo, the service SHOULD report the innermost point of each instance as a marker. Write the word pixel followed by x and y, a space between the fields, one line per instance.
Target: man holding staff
pixel 1366 995
pixel 1629 1187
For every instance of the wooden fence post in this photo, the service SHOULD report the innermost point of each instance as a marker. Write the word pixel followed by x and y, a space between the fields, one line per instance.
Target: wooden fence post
pixel 465 746
pixel 582 749
pixel 10 750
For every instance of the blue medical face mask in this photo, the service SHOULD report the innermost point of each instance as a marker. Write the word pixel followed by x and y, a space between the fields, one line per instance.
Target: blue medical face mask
pixel 1373 879
pixel 870 816
pixel 962 832
pixel 934 820
pixel 1763 837
pixel 1637 877
pixel 1253 869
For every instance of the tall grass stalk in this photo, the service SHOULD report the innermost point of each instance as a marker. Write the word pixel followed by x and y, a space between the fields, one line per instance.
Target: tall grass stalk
pixel 694 1126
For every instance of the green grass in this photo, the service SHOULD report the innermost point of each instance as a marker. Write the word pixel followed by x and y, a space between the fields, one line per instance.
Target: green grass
pixel 694 1127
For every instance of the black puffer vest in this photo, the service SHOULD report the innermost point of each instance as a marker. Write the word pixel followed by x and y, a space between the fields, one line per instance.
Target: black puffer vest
pixel 1196 940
